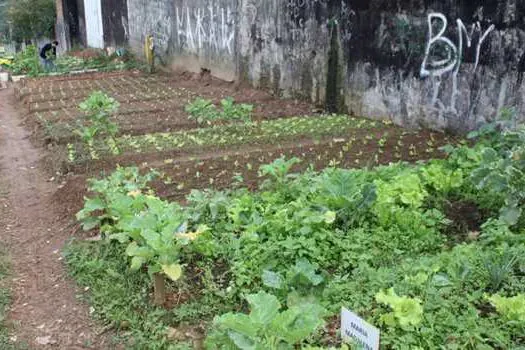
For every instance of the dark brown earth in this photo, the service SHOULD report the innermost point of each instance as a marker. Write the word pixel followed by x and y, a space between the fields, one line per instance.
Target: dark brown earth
pixel 45 311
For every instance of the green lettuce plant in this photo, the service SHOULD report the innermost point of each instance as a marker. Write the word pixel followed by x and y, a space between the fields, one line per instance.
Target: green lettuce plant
pixel 406 311
pixel 512 308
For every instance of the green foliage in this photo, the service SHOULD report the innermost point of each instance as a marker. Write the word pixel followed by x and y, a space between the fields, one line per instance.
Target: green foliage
pixel 502 173
pixel 98 109
pixel 441 178
pixel 266 327
pixel 204 111
pixel 279 170
pixel 334 239
pixel 32 19
pixel 267 131
pixel 406 311
pixel 26 62
pixel 112 195
pixel 512 308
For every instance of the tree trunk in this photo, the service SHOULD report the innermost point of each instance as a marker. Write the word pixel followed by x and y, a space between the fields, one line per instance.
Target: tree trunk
pixel 159 287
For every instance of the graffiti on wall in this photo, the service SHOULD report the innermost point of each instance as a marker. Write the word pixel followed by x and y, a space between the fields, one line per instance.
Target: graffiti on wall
pixel 443 56
pixel 301 11
pixel 212 27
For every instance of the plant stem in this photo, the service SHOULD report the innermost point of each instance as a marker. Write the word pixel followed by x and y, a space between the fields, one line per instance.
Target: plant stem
pixel 159 289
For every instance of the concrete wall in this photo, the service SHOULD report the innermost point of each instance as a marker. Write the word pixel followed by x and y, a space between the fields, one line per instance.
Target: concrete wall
pixel 115 22
pixel 196 33
pixel 439 63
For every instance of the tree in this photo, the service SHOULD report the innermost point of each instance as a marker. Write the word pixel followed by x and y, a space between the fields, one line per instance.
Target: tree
pixel 31 19
pixel 4 28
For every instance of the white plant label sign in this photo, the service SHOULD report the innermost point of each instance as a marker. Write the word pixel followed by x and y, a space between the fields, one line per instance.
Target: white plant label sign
pixel 356 330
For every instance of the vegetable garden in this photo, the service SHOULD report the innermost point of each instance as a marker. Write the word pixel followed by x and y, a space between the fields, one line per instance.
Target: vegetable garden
pixel 228 219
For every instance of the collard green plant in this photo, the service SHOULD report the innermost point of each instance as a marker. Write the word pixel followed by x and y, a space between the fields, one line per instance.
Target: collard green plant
pixel 267 326
pixel 300 284
pixel 502 172
pixel 233 111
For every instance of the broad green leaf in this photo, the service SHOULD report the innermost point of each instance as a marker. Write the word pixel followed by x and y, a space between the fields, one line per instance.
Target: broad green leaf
pixel 489 155
pixel 510 215
pixel 133 249
pixel 153 239
pixel 239 323
pixel 121 237
pixel 173 271
pixel 264 307
pixel 304 268
pixel 136 263
pixel 90 223
pixel 407 311
pixel 242 341
pixel 272 279
pixel 92 204
pixel 298 323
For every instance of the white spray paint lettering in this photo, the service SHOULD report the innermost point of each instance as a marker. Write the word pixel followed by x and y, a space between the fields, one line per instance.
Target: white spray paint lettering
pixel 438 67
pixel 453 62
pixel 213 27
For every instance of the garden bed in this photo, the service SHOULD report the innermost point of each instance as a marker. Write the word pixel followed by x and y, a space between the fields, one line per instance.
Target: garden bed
pixel 285 207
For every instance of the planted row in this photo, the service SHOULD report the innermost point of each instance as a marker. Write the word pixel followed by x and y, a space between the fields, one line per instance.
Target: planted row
pixel 263 132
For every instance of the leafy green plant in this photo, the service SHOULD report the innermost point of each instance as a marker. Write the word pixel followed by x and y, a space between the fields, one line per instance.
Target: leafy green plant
pixel 26 62
pixel 442 179
pixel 112 197
pixel 279 170
pixel 267 326
pixel 499 269
pixel 502 172
pixel 98 109
pixel 153 230
pixel 349 194
pixel 151 241
pixel 406 311
pixel 233 111
pixel 512 308
pixel 204 111
pixel 301 283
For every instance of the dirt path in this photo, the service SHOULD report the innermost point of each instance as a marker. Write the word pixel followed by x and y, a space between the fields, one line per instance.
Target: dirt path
pixel 45 312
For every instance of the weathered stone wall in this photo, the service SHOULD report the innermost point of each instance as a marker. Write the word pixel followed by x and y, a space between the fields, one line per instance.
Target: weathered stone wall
pixel 439 63
pixel 193 34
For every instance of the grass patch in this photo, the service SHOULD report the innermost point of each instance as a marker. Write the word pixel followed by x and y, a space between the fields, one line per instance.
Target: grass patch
pixel 5 299
pixel 123 301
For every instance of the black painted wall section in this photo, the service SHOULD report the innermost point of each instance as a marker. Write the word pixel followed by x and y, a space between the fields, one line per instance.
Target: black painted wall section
pixel 115 22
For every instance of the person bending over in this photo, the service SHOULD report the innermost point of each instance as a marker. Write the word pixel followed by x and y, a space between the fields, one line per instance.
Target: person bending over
pixel 48 54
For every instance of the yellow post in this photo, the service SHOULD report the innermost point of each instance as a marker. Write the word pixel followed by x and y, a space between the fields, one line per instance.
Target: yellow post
pixel 148 52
